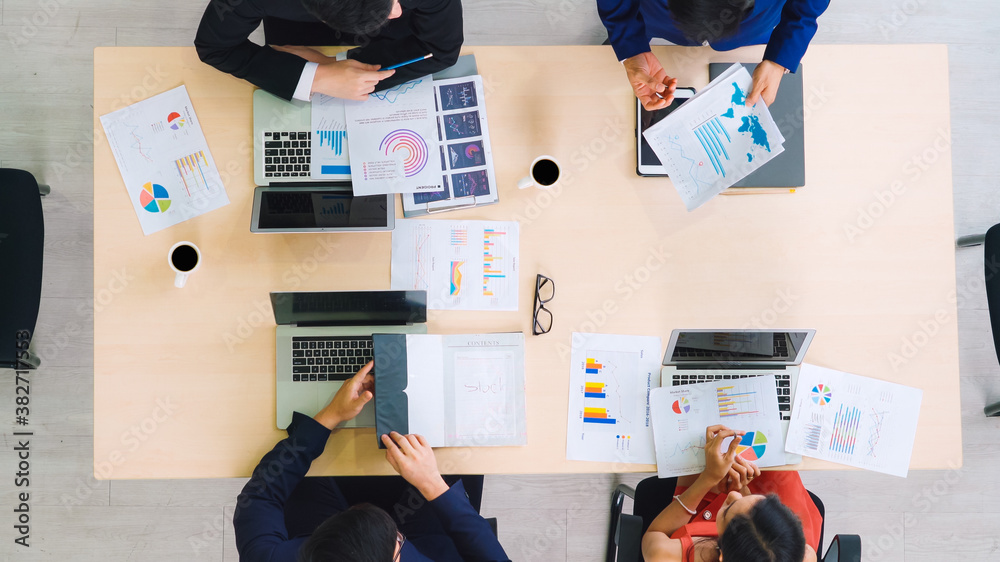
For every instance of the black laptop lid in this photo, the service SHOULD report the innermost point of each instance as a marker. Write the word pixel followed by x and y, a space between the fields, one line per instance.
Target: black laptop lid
pixel 350 308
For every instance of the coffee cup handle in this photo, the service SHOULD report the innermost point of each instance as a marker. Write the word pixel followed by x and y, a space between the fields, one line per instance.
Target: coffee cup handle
pixel 180 280
pixel 525 182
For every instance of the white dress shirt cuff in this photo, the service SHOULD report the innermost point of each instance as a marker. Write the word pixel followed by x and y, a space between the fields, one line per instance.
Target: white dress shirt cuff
pixel 304 89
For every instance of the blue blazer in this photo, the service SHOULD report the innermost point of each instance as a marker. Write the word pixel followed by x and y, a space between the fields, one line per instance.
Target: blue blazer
pixel 786 26
pixel 259 520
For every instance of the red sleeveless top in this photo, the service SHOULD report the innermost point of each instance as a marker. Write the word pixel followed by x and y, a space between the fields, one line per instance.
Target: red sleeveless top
pixel 786 484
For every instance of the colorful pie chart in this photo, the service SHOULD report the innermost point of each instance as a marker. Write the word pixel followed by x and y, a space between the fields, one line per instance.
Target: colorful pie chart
pixel 174 120
pixel 752 446
pixel 681 406
pixel 154 198
pixel 822 394
pixel 471 150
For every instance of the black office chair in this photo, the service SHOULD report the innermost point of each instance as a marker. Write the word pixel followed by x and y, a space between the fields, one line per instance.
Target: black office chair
pixel 22 237
pixel 626 530
pixel 991 261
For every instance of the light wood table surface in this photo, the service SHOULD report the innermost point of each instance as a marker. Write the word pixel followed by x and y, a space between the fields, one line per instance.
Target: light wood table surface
pixel 864 254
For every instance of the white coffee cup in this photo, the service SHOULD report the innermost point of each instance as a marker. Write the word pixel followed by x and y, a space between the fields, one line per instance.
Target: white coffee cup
pixel 543 173
pixel 184 258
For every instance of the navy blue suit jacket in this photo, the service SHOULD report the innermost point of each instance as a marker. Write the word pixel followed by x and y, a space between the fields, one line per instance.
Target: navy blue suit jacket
pixel 786 26
pixel 259 519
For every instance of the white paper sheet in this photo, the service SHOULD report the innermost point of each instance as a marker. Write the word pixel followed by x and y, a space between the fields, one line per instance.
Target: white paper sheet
pixel 463 265
pixel 393 136
pixel 609 383
pixel 854 420
pixel 163 157
pixel 466 153
pixel 713 140
pixel 328 141
pixel 682 413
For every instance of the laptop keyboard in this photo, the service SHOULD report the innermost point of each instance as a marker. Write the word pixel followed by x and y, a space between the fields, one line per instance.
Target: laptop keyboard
pixel 287 154
pixel 783 382
pixel 329 358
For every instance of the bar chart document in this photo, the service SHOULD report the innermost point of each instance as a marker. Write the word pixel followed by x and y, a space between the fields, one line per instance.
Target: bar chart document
pixel 609 383
pixel 164 160
pixel 394 147
pixel 463 265
pixel 328 139
pixel 714 140
pixel 854 420
pixel 681 414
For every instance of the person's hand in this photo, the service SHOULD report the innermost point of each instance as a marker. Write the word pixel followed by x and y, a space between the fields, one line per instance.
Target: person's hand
pixel 350 399
pixel 717 461
pixel 649 81
pixel 413 459
pixel 311 55
pixel 348 79
pixel 766 79
pixel 741 473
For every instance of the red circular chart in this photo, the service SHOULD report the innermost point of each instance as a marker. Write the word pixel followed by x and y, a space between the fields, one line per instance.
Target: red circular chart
pixel 411 146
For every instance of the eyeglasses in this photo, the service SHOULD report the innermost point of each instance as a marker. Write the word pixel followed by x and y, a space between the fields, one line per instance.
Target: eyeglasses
pixel 545 291
pixel 400 539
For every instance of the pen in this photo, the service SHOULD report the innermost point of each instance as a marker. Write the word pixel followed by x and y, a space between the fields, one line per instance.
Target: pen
pixel 754 191
pixel 411 61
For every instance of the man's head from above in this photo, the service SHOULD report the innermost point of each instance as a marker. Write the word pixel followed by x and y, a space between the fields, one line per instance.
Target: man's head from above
pixel 760 529
pixel 709 20
pixel 363 533
pixel 358 17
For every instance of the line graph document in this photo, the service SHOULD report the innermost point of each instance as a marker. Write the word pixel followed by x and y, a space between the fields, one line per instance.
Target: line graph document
pixel 164 160
pixel 330 154
pixel 463 265
pixel 854 420
pixel 713 140
pixel 681 414
pixel 609 383
pixel 394 144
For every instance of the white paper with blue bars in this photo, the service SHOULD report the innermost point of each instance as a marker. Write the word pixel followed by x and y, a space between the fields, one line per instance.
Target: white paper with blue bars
pixel 713 140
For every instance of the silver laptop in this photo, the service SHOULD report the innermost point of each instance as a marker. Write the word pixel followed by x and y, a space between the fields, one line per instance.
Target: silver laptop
pixel 324 338
pixel 695 356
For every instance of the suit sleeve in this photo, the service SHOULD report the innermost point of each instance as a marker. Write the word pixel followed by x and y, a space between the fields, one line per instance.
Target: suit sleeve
pixel 259 519
pixel 435 26
pixel 791 37
pixel 223 42
pixel 626 30
pixel 470 533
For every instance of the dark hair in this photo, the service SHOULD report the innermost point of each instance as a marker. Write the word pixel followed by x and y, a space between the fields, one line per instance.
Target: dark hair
pixel 363 533
pixel 769 532
pixel 360 17
pixel 709 20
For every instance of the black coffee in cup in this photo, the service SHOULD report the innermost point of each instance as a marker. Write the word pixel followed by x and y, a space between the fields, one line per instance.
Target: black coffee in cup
pixel 184 258
pixel 545 172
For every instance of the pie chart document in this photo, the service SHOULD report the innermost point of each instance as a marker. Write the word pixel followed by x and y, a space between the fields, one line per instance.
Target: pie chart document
pixel 681 414
pixel 854 420
pixel 161 152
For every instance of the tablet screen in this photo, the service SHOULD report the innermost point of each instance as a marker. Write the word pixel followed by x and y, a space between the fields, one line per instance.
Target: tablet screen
pixel 648 162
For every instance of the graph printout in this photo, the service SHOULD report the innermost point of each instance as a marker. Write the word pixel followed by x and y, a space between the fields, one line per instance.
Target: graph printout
pixel 682 413
pixel 714 140
pixel 393 144
pixel 854 420
pixel 164 160
pixel 330 155
pixel 609 382
pixel 463 265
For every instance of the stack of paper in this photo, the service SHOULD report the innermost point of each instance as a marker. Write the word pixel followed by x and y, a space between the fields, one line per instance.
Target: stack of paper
pixel 714 140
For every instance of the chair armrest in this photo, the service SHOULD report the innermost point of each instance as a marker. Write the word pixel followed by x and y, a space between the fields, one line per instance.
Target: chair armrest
pixel 614 528
pixel 844 548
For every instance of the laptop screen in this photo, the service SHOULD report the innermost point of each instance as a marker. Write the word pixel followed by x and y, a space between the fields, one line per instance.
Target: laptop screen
pixel 737 346
pixel 350 308
pixel 307 209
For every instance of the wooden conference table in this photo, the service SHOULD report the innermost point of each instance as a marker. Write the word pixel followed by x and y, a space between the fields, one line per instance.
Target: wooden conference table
pixel 864 254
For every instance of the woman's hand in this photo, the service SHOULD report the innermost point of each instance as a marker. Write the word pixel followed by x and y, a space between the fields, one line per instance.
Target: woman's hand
pixel 717 461
pixel 766 79
pixel 740 474
pixel 414 460
pixel 350 399
pixel 650 81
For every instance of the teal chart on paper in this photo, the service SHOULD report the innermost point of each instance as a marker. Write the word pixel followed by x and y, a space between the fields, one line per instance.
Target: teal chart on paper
pixel 714 140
